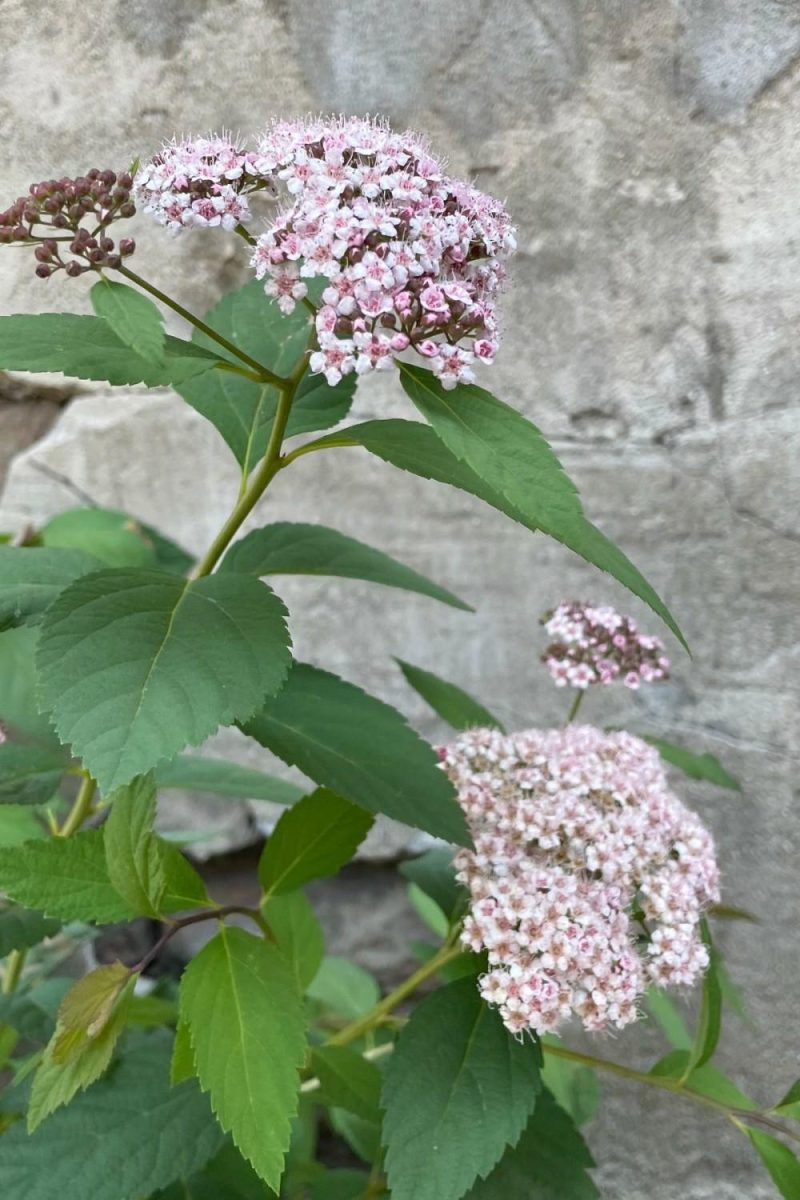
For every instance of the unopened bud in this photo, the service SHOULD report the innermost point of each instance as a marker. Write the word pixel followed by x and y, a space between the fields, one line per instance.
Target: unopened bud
pixel 43 271
pixel 127 247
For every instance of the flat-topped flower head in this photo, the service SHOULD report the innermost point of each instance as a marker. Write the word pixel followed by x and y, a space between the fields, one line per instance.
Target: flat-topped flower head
pixel 66 221
pixel 595 644
pixel 412 257
pixel 588 878
pixel 201 182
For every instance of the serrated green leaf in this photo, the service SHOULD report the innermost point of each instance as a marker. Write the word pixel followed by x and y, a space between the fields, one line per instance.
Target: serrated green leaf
pixel 508 452
pixel 29 774
pixel 361 748
pixel 458 1089
pixel 132 1119
pixel 347 1080
pixel 86 1009
pixel 449 702
pixel 709 1022
pixel 134 318
pixel 696 766
pixel 134 665
pixel 574 1087
pixel 298 935
pixel 313 839
pixel 111 537
pixel 57 1081
pixel 781 1163
pixel 215 775
pixel 88 348
pixel 666 1015
pixel 246 1022
pixel 286 548
pixel 135 867
pixel 32 577
pixel 434 874
pixel 20 929
pixel 243 411
pixel 549 1162
pixel 344 987
pixel 65 878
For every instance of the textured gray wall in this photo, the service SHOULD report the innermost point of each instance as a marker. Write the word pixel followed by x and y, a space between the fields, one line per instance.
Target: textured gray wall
pixel 649 152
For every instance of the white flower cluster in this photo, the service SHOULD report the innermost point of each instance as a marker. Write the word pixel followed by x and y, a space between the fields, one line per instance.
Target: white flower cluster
pixel 588 879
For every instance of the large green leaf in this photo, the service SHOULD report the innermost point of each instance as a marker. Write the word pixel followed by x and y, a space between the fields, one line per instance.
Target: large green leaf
pixel 311 840
pixel 458 1089
pixel 135 665
pixel 113 538
pixel 549 1162
pixel 696 766
pixel 449 702
pixel 134 318
pixel 29 774
pixel 200 774
pixel 64 878
pixel 88 348
pixel 31 578
pixel 125 1137
pixel 508 452
pixel 293 549
pixel 246 1022
pixel 358 746
pixel 21 928
pixel 781 1162
pixel 242 410
pixel 297 933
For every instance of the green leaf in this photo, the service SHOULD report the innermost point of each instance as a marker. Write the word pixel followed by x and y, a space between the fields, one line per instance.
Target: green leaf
pixel 790 1104
pixel 124 1138
pixel 298 935
pixel 87 1007
pixel 29 774
pixel 434 874
pixel 311 840
pixel 344 987
pixel 347 1080
pixel 57 1080
pixel 696 766
pixel 136 664
pixel 135 866
pixel 112 538
pixel 358 746
pixel 65 878
pixel 293 549
pixel 458 1089
pixel 428 911
pixel 707 1080
pixel 20 929
pixel 242 410
pixel 549 1162
pixel 182 1064
pixel 341 1183
pixel 184 886
pixel 134 318
pixel 215 775
pixel 363 1137
pixel 448 701
pixel 781 1163
pixel 574 1087
pixel 88 348
pixel 246 1022
pixel 227 1177
pixel 18 707
pixel 709 1022
pixel 18 824
pixel 508 452
pixel 32 577
pixel 665 1013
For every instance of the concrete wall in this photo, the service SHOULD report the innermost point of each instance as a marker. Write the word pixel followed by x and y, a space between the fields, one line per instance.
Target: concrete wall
pixel 649 152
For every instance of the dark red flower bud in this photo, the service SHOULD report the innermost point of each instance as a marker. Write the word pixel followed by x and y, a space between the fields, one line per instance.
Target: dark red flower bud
pixel 74 269
pixel 127 247
pixel 43 271
pixel 128 209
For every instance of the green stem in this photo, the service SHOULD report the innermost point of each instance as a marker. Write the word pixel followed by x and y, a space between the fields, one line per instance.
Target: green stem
pixel 262 477
pixel 575 706
pixel 13 971
pixel 80 809
pixel 375 1016
pixel 262 373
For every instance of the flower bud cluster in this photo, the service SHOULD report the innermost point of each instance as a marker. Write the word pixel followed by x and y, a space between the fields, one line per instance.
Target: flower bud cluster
pixel 594 644
pixel 66 222
pixel 412 257
pixel 588 878
pixel 201 182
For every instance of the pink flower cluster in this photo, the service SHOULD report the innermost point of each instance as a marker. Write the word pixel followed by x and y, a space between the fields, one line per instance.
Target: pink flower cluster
pixel 595 644
pixel 200 182
pixel 588 878
pixel 411 256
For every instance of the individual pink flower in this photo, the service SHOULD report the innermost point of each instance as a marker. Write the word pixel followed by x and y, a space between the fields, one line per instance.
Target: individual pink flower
pixel 588 878
pixel 595 644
